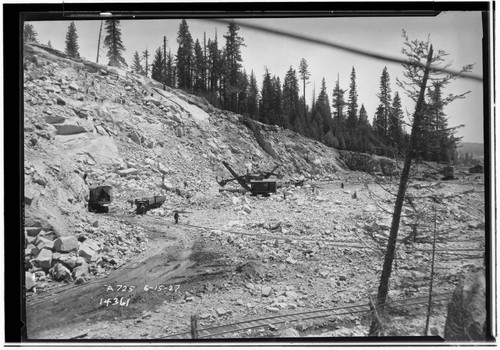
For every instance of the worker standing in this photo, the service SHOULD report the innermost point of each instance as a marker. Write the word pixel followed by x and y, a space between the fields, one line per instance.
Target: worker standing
pixel 176 217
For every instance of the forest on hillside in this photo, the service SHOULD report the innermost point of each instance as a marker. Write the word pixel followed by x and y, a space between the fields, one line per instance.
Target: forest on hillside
pixel 213 68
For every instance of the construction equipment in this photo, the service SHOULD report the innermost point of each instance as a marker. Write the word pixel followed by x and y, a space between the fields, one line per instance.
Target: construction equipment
pixel 476 169
pixel 254 183
pixel 448 173
pixel 99 198
pixel 147 203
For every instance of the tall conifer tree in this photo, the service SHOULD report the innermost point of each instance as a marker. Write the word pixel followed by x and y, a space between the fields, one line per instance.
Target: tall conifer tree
pixel 352 105
pixel 291 106
pixel 157 71
pixel 72 41
pixel 184 56
pixel 338 104
pixel 136 64
pixel 252 97
pixel 29 33
pixel 113 41
pixel 232 63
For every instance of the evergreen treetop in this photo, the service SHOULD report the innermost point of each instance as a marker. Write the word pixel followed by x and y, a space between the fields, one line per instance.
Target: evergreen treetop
pixel 113 41
pixel 72 41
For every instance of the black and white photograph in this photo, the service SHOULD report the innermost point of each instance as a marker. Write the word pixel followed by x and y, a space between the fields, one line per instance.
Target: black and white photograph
pixel 191 176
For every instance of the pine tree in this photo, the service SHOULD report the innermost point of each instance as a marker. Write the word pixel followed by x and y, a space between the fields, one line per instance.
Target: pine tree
pixel 338 104
pixel 184 56
pixel 277 101
pixel 395 128
pixel 145 54
pixel 385 104
pixel 214 64
pixel 72 41
pixel 243 87
pixel 365 131
pixel 136 65
pixel 198 68
pixel 170 78
pixel 266 113
pixel 291 108
pixel 113 41
pixel 252 103
pixel 157 71
pixel 323 112
pixel 437 141
pixel 232 63
pixel 304 75
pixel 29 33
pixel 352 105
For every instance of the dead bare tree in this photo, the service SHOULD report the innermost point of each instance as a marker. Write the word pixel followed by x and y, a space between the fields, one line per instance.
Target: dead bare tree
pixel 415 51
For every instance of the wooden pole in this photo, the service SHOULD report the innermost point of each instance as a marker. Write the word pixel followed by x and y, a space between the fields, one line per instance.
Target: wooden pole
pixel 429 306
pixel 99 43
pixel 194 327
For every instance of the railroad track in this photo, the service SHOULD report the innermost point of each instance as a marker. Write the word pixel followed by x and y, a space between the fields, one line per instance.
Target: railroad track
pixel 301 316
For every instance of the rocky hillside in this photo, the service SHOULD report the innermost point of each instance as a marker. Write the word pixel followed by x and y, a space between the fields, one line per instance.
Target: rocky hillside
pixel 124 130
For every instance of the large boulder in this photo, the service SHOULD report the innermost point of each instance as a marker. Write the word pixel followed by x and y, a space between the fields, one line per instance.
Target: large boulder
pixel 60 272
pixel 54 119
pixel 44 259
pixel 466 319
pixel 81 271
pixel 74 126
pixel 66 244
pixel 87 252
pixel 42 242
pixel 48 214
pixel 163 169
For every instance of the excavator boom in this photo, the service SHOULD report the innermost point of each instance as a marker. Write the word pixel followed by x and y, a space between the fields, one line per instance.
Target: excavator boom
pixel 237 177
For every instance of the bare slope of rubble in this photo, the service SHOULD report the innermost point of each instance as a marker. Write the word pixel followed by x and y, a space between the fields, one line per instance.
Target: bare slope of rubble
pixel 124 130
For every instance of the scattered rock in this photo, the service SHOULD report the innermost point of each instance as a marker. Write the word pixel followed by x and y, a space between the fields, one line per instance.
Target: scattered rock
pixel 44 259
pixel 66 244
pixel 266 291
pixel 59 272
pixel 74 86
pixel 33 231
pixel 247 209
pixel 86 252
pixel 127 172
pixel 221 312
pixel 324 273
pixel 54 119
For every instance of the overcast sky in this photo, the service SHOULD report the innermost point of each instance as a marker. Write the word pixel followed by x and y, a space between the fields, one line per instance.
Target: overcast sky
pixel 457 33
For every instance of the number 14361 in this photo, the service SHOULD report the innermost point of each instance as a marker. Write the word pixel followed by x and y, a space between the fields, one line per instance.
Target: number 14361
pixel 115 301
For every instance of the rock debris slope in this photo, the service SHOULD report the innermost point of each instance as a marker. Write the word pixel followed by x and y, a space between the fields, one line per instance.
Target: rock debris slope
pixel 124 130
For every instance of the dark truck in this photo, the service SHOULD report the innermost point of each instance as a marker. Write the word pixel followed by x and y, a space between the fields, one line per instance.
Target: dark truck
pixel 147 203
pixel 99 199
